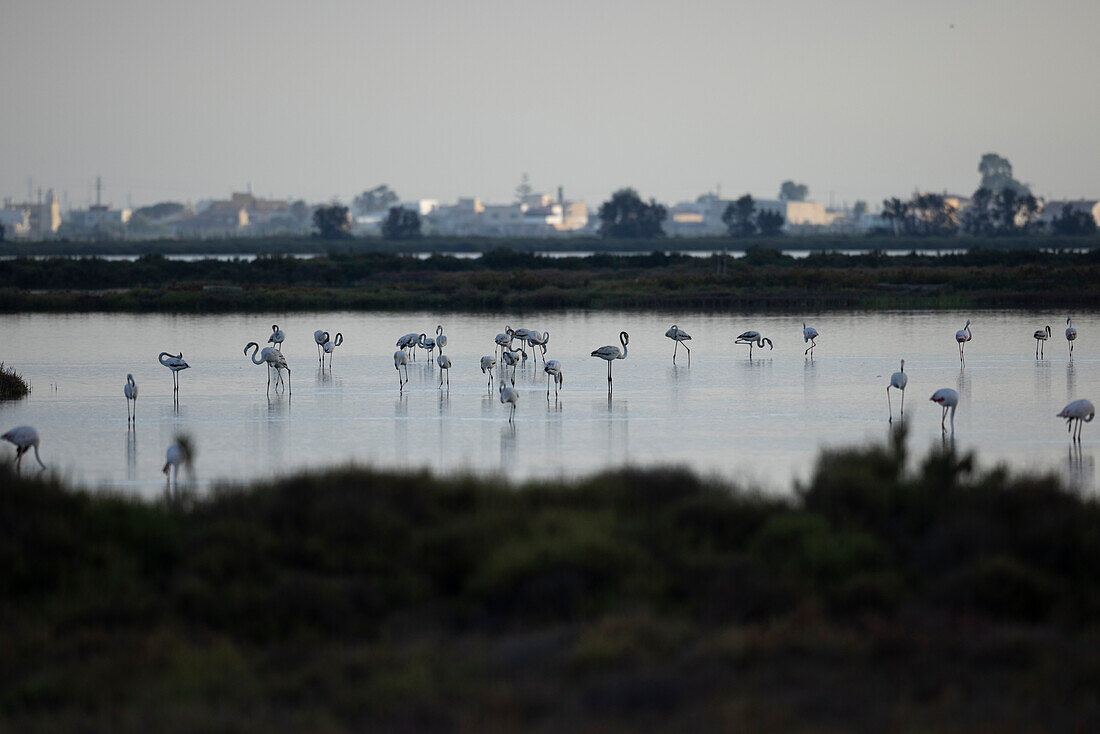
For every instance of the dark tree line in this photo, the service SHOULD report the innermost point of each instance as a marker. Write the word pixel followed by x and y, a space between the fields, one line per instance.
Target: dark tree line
pixel 743 220
pixel 626 215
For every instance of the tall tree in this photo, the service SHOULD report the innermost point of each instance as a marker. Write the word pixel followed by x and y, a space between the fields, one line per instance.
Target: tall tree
pixel 332 222
pixel 738 217
pixel 1013 212
pixel 380 198
pixel 997 174
pixel 896 212
pixel 791 191
pixel 978 216
pixel 626 215
pixel 769 222
pixel 859 209
pixel 1070 221
pixel 401 224
pixel 524 189
pixel 933 214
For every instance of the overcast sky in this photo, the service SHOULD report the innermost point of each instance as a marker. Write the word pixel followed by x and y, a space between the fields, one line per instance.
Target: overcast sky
pixel 861 99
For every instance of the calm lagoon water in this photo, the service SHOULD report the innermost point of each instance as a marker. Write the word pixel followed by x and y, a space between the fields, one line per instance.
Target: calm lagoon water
pixel 762 421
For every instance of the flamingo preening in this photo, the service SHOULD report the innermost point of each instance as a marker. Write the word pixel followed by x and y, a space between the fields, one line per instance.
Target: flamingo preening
pixel 610 353
pixel 320 336
pixel 509 395
pixel 1071 334
pixel 946 398
pixel 175 363
pixel 401 359
pixel 511 358
pixel 488 362
pixel 1041 336
pixel 962 336
pixel 277 337
pixel 503 341
pixel 444 366
pixel 330 346
pixel 23 438
pixel 130 390
pixel 898 380
pixel 809 334
pixel 274 359
pixel 753 338
pixel 440 337
pixel 408 341
pixel 679 336
pixel 553 370
pixel 1081 411
pixel 426 343
pixel 540 339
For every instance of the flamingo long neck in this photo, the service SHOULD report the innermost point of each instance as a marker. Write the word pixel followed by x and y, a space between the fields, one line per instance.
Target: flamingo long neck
pixel 162 359
pixel 622 340
pixel 255 349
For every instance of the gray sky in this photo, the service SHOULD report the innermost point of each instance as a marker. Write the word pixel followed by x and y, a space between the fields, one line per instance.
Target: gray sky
pixel 863 99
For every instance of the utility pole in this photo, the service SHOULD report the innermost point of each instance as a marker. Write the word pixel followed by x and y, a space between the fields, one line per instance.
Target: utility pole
pixel 98 191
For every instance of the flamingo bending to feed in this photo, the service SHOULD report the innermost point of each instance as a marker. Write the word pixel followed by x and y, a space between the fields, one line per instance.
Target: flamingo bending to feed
pixel 610 353
pixel 330 346
pixel 181 452
pixel 401 359
pixel 1041 336
pixel 320 336
pixel 511 358
pixel 679 336
pixel 1081 411
pixel 962 336
pixel 809 334
pixel 488 362
pixel 1071 333
pixel 277 337
pixel 553 370
pixel 521 335
pixel 274 359
pixel 175 363
pixel 23 438
pixel 946 398
pixel 540 339
pixel 753 338
pixel 509 395
pixel 426 343
pixel 503 341
pixel 408 341
pixel 444 366
pixel 898 380
pixel 130 390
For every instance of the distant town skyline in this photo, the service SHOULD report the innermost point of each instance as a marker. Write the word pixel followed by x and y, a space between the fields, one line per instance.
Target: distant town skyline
pixel 859 100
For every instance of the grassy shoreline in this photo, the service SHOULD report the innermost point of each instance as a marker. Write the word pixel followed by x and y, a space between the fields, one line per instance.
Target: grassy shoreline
pixel 879 596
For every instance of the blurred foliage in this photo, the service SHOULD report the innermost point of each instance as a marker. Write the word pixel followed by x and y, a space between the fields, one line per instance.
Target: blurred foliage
pixel 12 384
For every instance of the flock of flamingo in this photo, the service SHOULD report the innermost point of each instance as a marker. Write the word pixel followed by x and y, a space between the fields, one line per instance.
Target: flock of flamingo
pixel 25 438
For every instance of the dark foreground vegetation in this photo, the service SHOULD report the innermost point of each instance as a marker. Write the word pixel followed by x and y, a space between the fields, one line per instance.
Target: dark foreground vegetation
pixel 505 279
pixel 877 598
pixel 12 384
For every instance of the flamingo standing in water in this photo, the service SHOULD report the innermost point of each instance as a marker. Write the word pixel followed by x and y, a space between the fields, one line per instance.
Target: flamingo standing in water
pixel 274 359
pixel 503 341
pixel 175 363
pixel 679 336
pixel 444 366
pixel 330 346
pixel 320 336
pixel 540 339
pixel 1071 334
pixel 277 337
pixel 898 380
pixel 440 337
pixel 962 336
pixel 408 341
pixel 511 358
pixel 178 453
pixel 509 395
pixel 130 390
pixel 1041 336
pixel 753 338
pixel 610 353
pixel 23 438
pixel 809 334
pixel 1081 411
pixel 522 335
pixel 401 359
pixel 426 343
pixel 553 370
pixel 488 362
pixel 946 398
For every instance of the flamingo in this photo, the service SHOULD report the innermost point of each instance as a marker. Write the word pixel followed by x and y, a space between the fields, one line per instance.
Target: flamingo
pixel 809 334
pixel 753 338
pixel 23 438
pixel 320 336
pixel 488 362
pixel 897 380
pixel 503 340
pixel 426 343
pixel 962 336
pixel 277 337
pixel 401 359
pixel 444 366
pixel 407 341
pixel 511 358
pixel 540 339
pixel 679 336
pixel 509 395
pixel 946 398
pixel 553 370
pixel 1081 411
pixel 130 390
pixel 1071 334
pixel 610 353
pixel 330 347
pixel 440 337
pixel 273 358
pixel 178 453
pixel 1041 336
pixel 522 335
pixel 175 363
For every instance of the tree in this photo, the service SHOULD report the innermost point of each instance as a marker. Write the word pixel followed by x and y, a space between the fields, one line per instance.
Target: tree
pixel 160 210
pixel 997 174
pixel 3 232
pixel 626 215
pixel 1013 212
pixel 790 191
pixel 332 222
pixel 978 218
pixel 401 224
pixel 896 212
pixel 738 217
pixel 770 222
pixel 933 214
pixel 378 199
pixel 1071 221
pixel 859 210
pixel 524 189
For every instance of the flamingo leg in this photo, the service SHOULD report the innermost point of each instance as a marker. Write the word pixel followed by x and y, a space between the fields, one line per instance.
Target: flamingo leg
pixel 903 403
pixel 889 405
pixel 689 353
pixel 674 350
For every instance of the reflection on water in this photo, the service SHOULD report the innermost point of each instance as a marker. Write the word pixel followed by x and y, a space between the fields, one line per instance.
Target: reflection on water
pixel 764 418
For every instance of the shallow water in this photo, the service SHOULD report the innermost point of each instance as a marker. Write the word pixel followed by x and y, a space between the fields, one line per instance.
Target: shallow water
pixel 762 421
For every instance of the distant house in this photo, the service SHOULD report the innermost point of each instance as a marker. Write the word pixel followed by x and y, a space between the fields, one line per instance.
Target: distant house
pixel 537 215
pixel 703 217
pixel 1052 209
pixel 97 216
pixel 244 214
pixel 33 219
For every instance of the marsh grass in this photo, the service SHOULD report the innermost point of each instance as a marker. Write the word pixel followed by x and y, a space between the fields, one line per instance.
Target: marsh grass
pixel 12 384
